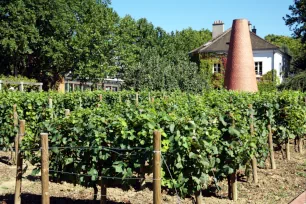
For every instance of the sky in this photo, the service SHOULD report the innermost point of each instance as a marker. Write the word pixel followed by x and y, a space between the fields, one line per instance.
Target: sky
pixel 172 15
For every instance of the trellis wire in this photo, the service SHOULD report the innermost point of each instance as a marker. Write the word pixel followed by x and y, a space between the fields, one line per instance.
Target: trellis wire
pixel 178 197
pixel 105 177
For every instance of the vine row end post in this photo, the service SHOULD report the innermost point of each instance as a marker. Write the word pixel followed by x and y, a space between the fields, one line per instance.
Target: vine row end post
pixel 17 197
pixel 45 199
pixel 157 168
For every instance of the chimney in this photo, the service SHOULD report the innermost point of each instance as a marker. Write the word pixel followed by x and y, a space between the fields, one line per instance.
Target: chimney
pixel 254 30
pixel 250 26
pixel 218 28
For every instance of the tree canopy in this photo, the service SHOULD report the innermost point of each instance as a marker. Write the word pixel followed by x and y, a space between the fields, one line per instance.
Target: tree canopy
pixel 297 20
pixel 47 39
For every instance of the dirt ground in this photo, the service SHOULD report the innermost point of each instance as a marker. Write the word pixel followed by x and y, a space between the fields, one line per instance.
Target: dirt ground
pixel 275 186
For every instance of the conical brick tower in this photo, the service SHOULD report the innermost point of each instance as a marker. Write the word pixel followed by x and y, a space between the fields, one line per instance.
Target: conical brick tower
pixel 240 71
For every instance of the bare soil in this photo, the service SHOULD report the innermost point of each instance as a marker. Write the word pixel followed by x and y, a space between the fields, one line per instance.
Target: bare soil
pixel 275 187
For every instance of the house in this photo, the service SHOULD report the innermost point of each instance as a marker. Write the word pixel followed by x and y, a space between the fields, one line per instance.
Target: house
pixel 267 57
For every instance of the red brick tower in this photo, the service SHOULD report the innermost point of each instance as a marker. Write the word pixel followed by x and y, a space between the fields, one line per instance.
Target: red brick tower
pixel 240 72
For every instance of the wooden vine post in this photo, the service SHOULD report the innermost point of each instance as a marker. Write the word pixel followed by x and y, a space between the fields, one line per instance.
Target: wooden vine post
pixel 100 97
pixel 15 123
pixel 300 140
pixel 45 196
pixel 300 145
pixel 67 112
pixel 103 192
pixel 198 196
pixel 288 149
pixel 17 199
pixel 157 168
pixel 100 100
pixel 270 139
pixel 233 184
pixel 254 160
pixel 50 107
pixel 136 99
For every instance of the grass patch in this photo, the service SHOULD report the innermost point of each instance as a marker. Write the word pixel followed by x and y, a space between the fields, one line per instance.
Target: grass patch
pixel 302 174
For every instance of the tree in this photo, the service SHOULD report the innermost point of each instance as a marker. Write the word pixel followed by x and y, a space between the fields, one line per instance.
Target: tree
pixel 46 39
pixel 154 72
pixel 92 43
pixel 189 39
pixel 297 23
pixel 291 46
pixel 296 20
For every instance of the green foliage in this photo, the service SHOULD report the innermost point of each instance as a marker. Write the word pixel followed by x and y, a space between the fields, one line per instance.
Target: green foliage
pixel 296 20
pixel 215 80
pixel 203 136
pixel 157 73
pixel 268 83
pixel 294 47
pixel 297 23
pixel 296 82
pixel 45 40
pixel 17 79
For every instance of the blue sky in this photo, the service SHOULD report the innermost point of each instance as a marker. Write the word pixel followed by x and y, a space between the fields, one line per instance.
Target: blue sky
pixel 173 15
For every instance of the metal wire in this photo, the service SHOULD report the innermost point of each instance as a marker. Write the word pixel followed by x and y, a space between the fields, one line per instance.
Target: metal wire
pixel 104 148
pixel 98 147
pixel 178 197
pixel 105 177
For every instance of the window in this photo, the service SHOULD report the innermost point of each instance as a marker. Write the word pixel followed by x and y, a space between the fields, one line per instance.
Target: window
pixel 258 68
pixel 217 68
pixel 114 88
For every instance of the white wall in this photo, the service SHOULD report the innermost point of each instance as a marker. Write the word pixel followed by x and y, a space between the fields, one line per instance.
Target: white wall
pixel 270 59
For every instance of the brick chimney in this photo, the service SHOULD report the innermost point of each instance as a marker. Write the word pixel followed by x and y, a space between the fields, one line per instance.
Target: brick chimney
pixel 218 28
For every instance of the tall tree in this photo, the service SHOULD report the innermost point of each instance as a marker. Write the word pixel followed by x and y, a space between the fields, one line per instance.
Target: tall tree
pixel 297 23
pixel 297 19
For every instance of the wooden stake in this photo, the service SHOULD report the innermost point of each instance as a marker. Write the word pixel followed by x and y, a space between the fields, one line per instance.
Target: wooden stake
pixel 254 167
pixel 300 145
pixel 136 99
pixel 51 106
pixel 198 196
pixel 15 115
pixel 254 160
pixel 67 112
pixel 15 123
pixel 50 103
pixel 152 100
pixel 17 199
pixel 156 168
pixel 288 150
pixel 100 97
pixel 233 187
pixel 103 192
pixel 45 196
pixel 270 139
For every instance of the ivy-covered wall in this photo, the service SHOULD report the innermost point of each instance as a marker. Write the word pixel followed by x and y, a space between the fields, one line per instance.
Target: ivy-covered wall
pixel 207 61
